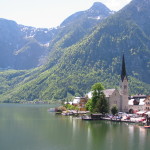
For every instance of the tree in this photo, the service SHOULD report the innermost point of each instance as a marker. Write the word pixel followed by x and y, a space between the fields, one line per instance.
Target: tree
pixel 114 110
pixel 98 87
pixel 98 102
pixel 102 105
pixel 97 90
pixel 89 105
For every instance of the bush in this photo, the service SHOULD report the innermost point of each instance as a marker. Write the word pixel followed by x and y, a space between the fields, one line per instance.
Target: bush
pixel 114 110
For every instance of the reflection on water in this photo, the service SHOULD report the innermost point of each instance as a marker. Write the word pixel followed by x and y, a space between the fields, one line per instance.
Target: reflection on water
pixel 139 137
pixel 31 127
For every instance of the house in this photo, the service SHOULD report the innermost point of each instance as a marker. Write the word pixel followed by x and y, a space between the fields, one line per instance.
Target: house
pixel 139 103
pixel 147 103
pixel 136 103
pixel 80 102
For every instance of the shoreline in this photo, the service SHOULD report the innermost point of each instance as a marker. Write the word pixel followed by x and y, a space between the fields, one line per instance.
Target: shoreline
pixel 95 117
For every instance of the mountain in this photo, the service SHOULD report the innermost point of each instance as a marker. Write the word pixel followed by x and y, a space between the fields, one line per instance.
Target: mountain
pixel 95 56
pixel 24 47
pixel 97 12
pixel 76 26
pixel 42 35
pixel 127 31
pixel 20 44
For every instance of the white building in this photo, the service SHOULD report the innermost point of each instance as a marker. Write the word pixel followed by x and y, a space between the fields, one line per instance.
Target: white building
pixel 139 103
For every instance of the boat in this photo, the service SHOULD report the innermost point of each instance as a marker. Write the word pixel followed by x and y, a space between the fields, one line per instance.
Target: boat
pixel 86 118
pixel 147 127
pixel 97 116
pixel 92 117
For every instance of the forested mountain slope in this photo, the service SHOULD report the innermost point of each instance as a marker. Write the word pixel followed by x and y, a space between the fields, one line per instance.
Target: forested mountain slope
pixel 72 69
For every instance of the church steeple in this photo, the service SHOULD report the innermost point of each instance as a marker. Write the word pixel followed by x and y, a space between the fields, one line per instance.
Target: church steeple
pixel 124 88
pixel 123 71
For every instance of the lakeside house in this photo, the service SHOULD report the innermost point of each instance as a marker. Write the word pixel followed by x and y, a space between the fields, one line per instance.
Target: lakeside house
pixel 80 102
pixel 136 103
pixel 139 104
pixel 147 103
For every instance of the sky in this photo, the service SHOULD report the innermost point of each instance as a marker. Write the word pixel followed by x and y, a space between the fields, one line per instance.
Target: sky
pixel 49 13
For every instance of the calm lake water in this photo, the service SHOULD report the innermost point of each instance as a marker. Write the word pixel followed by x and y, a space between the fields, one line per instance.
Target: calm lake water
pixel 31 127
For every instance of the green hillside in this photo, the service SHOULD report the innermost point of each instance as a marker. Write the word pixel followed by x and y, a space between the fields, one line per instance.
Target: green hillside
pixel 72 69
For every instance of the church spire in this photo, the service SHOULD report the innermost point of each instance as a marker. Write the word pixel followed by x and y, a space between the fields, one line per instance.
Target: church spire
pixel 123 71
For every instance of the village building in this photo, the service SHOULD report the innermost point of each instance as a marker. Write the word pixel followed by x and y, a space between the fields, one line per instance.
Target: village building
pixel 139 104
pixel 147 103
pixel 136 103
pixel 80 102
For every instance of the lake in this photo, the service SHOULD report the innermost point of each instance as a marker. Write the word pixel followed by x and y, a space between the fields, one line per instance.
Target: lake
pixel 31 127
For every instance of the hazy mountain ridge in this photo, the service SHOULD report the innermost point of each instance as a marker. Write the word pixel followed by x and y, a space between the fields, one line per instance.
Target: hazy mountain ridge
pixel 97 12
pixel 16 43
pixel 19 42
pixel 78 25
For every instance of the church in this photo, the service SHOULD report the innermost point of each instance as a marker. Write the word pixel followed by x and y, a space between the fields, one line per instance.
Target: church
pixel 120 97
pixel 115 96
